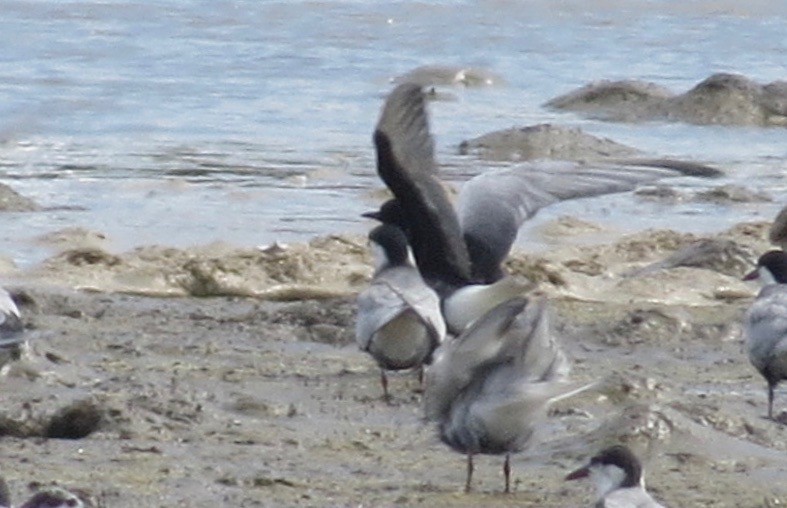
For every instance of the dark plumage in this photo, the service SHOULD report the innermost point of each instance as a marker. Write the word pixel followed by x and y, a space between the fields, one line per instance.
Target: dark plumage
pixel 406 163
pixel 466 247
pixel 469 245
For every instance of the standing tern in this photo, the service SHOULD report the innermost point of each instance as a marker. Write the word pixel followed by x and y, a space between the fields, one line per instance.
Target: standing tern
pixel 489 388
pixel 399 320
pixel 765 322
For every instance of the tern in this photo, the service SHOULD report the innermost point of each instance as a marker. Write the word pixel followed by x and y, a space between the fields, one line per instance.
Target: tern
pixel 765 322
pixel 489 388
pixel 399 320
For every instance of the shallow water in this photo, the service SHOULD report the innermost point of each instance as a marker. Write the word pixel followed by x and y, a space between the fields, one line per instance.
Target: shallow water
pixel 182 123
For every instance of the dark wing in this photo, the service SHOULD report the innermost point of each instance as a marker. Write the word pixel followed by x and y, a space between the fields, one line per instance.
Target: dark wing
pixel 405 162
pixel 685 168
pixel 404 122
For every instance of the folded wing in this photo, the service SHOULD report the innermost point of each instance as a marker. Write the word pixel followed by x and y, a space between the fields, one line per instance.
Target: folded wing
pixel 389 295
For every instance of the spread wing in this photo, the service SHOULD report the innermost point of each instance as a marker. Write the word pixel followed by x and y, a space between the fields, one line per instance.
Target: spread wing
pixel 404 125
pixel 405 162
pixel 539 355
pixel 493 205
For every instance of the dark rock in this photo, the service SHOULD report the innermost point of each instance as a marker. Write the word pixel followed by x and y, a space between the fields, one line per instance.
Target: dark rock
pixel 76 421
pixel 544 141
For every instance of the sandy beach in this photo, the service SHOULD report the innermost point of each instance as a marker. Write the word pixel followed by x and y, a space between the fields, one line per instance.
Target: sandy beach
pixel 230 377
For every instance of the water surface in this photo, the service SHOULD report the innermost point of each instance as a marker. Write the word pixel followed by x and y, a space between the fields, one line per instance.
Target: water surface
pixel 187 122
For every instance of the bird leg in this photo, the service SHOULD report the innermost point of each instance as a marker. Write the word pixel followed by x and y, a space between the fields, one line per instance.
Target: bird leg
pixel 771 387
pixel 507 472
pixel 384 382
pixel 469 472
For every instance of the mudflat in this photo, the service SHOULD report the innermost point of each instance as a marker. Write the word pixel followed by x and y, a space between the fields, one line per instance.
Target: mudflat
pixel 230 377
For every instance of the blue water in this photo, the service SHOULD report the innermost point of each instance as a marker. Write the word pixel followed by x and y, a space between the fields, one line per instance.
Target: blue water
pixel 187 122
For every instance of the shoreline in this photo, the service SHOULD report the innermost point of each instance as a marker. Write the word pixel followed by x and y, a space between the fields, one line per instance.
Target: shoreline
pixel 583 261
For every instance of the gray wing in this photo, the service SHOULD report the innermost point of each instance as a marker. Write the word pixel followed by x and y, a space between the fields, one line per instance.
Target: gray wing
pixel 516 393
pixel 407 283
pixel 405 162
pixel 458 360
pixel 532 365
pixel 502 373
pixel 377 305
pixel 392 292
pixel 493 205
pixel 534 345
pixel 10 322
pixel 765 327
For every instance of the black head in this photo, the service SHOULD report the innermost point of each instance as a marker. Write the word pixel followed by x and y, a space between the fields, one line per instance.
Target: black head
pixel 392 241
pixel 775 261
pixel 623 458
pixel 390 212
pixel 618 456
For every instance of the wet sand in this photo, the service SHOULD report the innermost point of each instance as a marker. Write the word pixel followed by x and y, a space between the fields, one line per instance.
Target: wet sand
pixel 244 386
